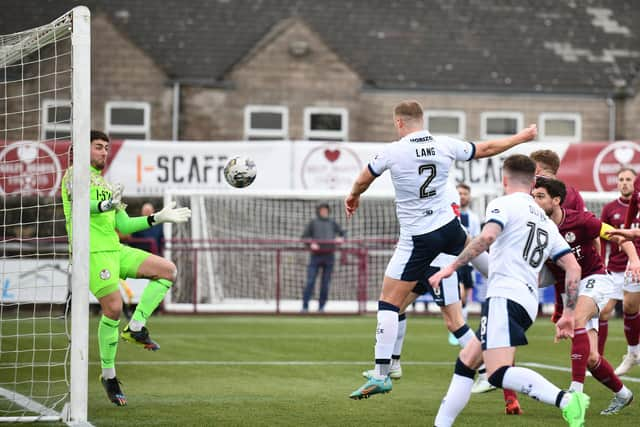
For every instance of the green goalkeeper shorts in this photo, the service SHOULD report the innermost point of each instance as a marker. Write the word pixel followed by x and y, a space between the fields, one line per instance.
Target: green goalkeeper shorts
pixel 107 268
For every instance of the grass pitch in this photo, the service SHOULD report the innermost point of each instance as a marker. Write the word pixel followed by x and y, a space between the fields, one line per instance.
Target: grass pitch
pixel 298 371
pixel 266 371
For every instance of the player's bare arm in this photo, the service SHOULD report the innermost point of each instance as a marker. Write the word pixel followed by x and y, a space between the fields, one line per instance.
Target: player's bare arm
pixel 565 326
pixel 627 246
pixel 625 233
pixel 497 146
pixel 360 185
pixel 477 246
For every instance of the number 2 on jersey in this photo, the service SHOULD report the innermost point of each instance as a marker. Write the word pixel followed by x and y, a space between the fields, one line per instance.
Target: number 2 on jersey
pixel 432 174
pixel 535 255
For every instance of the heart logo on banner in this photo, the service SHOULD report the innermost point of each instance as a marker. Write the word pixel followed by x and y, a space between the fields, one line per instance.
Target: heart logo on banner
pixel 623 155
pixel 332 155
pixel 27 152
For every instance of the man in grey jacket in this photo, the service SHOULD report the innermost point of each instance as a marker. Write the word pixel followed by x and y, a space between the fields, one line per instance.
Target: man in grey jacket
pixel 322 234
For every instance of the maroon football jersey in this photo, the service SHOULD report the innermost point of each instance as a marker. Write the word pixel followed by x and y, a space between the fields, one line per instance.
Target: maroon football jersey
pixel 573 200
pixel 614 214
pixel 579 229
pixel 632 212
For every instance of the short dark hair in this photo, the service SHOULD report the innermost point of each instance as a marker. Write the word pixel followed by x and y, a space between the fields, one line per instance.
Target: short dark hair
pixel 96 134
pixel 520 167
pixel 463 185
pixel 627 169
pixel 548 158
pixel 554 187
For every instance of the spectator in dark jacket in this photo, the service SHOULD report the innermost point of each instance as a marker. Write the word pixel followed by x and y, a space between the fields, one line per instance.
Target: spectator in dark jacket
pixel 322 234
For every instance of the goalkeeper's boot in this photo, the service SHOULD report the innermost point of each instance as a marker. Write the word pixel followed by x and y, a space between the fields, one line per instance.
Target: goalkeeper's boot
pixel 371 387
pixel 395 373
pixel 576 409
pixel 115 394
pixel 140 337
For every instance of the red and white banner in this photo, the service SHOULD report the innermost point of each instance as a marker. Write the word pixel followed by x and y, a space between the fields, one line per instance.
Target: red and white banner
pixel 149 168
pixel 29 167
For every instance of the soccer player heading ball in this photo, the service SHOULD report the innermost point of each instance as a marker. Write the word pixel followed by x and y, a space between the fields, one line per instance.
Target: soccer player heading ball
pixel 110 261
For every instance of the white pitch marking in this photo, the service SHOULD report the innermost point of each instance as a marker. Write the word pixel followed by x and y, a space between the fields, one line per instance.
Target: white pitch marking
pixel 329 362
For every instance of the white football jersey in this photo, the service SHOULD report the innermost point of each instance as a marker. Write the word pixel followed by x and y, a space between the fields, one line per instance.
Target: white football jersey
pixel 419 165
pixel 528 238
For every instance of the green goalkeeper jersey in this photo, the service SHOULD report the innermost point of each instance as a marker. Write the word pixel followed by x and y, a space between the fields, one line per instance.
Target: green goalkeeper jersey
pixel 102 225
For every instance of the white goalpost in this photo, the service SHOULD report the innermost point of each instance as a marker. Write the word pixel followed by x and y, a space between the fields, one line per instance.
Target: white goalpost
pixel 45 111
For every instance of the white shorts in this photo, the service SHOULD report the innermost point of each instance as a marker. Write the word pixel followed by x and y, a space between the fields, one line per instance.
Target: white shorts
pixel 503 324
pixel 630 286
pixel 599 287
pixel 618 283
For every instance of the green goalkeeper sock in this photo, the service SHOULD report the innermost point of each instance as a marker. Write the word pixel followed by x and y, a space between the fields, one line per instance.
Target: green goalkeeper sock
pixel 151 298
pixel 108 341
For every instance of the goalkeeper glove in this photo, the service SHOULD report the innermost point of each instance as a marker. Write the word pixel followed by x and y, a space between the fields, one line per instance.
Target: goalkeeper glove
pixel 114 202
pixel 171 214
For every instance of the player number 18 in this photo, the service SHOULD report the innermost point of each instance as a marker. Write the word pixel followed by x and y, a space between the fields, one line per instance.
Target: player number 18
pixel 535 254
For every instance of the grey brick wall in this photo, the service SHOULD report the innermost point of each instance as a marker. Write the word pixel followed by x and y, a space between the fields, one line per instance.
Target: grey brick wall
pixel 123 72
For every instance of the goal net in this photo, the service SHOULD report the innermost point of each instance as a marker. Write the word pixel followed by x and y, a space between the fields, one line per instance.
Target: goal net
pixel 44 110
pixel 242 251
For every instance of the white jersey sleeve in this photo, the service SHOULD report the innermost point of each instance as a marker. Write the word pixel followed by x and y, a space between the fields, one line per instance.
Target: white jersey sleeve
pixel 462 150
pixel 380 162
pixel 496 213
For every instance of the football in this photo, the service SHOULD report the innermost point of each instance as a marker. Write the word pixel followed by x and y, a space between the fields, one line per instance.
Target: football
pixel 240 171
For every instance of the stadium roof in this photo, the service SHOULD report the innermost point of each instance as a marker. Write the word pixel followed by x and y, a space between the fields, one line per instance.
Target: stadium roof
pixel 545 46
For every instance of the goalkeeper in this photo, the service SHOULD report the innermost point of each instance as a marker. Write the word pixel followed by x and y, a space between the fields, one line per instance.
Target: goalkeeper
pixel 109 261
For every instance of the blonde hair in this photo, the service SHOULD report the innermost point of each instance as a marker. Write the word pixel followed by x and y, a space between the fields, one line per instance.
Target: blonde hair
pixel 408 110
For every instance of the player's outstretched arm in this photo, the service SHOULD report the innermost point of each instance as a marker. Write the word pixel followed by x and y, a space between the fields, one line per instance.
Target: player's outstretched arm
pixel 497 146
pixel 627 246
pixel 565 326
pixel 628 234
pixel 360 185
pixel 171 214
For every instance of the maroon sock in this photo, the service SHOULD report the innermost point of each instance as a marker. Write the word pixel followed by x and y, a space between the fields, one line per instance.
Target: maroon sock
pixel 603 372
pixel 579 355
pixel 509 395
pixel 632 328
pixel 603 332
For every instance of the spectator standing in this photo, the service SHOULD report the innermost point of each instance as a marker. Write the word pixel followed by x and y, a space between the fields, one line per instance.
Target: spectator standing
pixel 322 233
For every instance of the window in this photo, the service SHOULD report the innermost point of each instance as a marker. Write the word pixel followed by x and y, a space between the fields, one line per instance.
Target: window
pixel 266 122
pixel 560 127
pixel 499 124
pixel 56 119
pixel 327 124
pixel 128 120
pixel 448 123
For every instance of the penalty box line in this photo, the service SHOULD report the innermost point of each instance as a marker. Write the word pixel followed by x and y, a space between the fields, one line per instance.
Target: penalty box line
pixel 330 362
